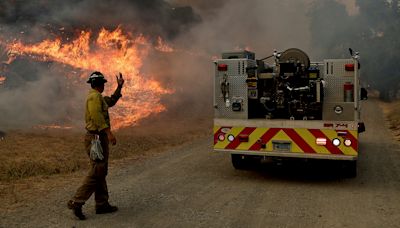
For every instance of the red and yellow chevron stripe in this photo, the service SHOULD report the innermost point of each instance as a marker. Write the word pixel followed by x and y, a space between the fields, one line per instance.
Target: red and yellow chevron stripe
pixel 300 140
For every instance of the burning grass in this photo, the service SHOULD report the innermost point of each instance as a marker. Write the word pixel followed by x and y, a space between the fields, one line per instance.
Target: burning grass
pixel 108 51
pixel 2 79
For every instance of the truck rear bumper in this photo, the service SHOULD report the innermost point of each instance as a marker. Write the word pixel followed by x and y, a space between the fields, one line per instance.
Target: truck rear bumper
pixel 290 154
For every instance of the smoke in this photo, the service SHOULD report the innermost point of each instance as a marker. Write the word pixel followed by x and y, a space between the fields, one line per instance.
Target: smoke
pixel 41 93
pixel 36 93
pixel 372 29
pixel 45 99
pixel 351 6
pixel 149 17
pixel 257 25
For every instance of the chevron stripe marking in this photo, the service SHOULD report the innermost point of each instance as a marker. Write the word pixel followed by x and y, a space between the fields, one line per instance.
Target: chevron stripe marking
pixel 299 140
pixel 267 136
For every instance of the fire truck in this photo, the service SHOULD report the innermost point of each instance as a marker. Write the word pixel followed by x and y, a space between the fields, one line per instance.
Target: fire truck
pixel 284 106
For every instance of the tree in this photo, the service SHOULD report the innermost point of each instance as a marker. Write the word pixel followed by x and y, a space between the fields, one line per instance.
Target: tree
pixel 374 32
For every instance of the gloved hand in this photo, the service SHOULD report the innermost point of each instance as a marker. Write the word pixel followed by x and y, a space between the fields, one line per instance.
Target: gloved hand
pixel 120 80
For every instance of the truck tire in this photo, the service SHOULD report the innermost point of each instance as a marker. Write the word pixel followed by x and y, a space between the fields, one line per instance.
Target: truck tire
pixel 240 161
pixel 350 169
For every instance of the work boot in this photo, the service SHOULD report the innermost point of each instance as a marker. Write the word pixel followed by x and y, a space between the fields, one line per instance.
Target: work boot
pixel 106 208
pixel 77 209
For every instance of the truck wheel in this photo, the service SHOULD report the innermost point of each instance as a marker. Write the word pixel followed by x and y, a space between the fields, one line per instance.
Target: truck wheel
pixel 240 161
pixel 350 169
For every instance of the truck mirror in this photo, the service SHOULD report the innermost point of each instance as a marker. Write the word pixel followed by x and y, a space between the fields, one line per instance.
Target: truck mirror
pixel 361 127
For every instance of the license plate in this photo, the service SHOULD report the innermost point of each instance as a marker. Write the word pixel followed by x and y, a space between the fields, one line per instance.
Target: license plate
pixel 281 146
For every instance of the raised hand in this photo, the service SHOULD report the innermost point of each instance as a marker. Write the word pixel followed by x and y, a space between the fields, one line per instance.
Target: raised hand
pixel 120 80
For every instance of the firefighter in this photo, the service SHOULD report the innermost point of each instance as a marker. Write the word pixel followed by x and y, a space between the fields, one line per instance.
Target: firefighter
pixel 97 125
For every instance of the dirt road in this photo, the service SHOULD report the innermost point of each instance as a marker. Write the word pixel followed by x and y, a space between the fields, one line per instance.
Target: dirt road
pixel 191 186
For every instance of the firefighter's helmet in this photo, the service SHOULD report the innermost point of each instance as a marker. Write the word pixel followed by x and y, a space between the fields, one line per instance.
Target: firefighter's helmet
pixel 96 76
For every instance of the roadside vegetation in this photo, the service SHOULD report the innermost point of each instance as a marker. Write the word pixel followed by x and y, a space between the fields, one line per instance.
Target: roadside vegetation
pixel 35 161
pixel 28 153
pixel 392 114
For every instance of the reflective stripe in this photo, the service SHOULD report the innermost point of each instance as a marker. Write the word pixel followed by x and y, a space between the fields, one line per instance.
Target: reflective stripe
pixel 302 140
pixel 299 141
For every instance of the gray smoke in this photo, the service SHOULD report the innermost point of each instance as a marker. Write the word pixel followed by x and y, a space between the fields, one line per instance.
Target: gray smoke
pixel 148 17
pixel 258 25
pixel 373 31
pixel 197 29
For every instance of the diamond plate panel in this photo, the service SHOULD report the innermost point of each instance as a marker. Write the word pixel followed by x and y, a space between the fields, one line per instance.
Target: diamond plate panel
pixel 236 76
pixel 335 77
pixel 334 88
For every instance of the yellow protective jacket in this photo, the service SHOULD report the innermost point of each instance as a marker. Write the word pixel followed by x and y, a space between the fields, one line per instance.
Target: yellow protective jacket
pixel 96 115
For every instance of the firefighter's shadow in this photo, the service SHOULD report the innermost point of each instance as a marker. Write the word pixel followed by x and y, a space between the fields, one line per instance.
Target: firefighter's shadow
pixel 301 170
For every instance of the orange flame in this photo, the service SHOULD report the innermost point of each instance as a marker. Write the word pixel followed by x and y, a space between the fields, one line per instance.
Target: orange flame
pixel 2 79
pixel 112 52
pixel 162 46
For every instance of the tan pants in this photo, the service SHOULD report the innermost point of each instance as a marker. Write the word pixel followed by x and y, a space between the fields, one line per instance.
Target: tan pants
pixel 95 181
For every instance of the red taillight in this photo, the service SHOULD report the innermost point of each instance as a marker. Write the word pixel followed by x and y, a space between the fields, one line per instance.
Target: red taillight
pixel 222 67
pixel 221 137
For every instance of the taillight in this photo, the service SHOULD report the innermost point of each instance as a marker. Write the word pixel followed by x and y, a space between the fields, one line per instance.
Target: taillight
pixel 347 142
pixel 321 141
pixel 221 137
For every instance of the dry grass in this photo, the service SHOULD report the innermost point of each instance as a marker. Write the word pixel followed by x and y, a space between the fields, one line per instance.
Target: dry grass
pixel 48 152
pixel 392 113
pixel 31 159
pixel 26 154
